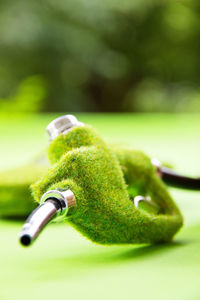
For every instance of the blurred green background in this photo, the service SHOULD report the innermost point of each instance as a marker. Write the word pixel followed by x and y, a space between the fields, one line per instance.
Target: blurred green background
pixel 99 56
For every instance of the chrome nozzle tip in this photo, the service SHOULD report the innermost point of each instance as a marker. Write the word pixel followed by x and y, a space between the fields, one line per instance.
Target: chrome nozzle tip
pixel 54 205
pixel 25 240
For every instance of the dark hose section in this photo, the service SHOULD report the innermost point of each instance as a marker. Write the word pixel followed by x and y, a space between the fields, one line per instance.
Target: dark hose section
pixel 175 180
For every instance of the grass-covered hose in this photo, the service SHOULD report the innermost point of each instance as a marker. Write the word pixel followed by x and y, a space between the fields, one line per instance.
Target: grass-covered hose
pixel 104 181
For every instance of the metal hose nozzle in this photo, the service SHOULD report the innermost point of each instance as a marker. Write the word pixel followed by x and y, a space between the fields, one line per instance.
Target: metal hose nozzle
pixel 54 204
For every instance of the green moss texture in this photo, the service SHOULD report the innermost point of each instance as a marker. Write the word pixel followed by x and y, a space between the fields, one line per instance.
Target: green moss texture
pixel 105 180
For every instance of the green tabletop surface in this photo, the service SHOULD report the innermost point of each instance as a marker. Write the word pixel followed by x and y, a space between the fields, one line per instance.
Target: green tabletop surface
pixel 64 265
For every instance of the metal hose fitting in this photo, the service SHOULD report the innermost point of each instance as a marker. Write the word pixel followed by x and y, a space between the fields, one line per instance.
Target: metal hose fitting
pixel 54 205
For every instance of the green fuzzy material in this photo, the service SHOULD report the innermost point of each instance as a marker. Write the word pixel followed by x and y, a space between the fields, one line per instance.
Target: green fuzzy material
pixel 104 182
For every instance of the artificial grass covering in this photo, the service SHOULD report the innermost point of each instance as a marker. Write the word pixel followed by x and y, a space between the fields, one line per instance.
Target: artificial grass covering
pixel 101 178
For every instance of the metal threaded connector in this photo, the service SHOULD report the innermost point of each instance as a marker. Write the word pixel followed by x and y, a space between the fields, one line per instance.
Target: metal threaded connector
pixel 62 125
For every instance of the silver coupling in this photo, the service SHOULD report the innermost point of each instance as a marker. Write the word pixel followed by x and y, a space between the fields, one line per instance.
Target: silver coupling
pixel 139 198
pixel 147 202
pixel 156 163
pixel 65 199
pixel 62 125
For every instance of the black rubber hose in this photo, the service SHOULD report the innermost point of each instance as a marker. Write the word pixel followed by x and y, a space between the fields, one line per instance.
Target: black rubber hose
pixel 175 180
